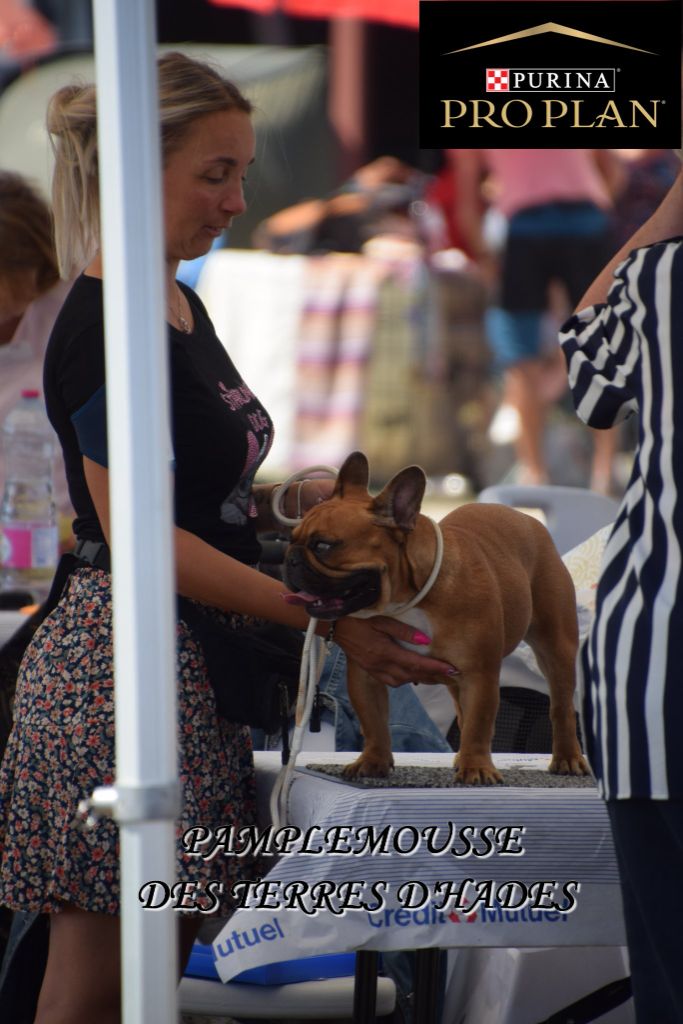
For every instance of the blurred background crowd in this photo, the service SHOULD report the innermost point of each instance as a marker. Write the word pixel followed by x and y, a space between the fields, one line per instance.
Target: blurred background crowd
pixel 380 296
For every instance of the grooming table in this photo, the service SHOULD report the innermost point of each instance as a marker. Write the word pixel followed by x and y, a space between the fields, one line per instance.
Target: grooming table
pixel 560 826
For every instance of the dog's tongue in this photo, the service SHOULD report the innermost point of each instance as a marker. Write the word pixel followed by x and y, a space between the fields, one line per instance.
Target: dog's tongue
pixel 315 605
pixel 300 598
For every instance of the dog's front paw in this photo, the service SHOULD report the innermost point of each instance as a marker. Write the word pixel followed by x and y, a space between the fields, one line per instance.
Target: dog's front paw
pixel 472 774
pixel 368 767
pixel 572 764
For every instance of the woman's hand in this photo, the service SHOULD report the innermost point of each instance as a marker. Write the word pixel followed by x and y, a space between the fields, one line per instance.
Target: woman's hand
pixel 311 493
pixel 372 643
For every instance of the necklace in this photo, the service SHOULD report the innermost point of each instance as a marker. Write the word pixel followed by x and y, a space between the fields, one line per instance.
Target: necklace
pixel 185 325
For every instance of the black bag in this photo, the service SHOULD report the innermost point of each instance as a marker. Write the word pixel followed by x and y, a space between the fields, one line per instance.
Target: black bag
pixel 254 672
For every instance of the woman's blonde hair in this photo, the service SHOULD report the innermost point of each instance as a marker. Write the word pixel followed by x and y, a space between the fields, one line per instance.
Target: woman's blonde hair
pixel 188 89
pixel 26 233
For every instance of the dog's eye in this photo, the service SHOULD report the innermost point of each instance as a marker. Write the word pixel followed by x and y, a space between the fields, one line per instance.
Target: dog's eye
pixel 320 548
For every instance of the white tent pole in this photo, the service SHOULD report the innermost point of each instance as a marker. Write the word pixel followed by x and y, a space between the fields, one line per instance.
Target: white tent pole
pixel 144 799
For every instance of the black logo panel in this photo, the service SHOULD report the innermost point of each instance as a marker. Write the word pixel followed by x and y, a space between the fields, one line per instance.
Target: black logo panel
pixel 584 73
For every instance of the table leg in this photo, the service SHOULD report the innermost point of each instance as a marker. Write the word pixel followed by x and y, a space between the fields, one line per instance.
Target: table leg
pixel 365 987
pixel 425 1007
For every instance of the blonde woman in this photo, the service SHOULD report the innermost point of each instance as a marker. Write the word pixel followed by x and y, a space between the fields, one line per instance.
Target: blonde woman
pixel 62 742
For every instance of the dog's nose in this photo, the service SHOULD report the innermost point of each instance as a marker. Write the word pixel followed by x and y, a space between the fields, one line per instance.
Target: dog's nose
pixel 293 557
pixel 292 564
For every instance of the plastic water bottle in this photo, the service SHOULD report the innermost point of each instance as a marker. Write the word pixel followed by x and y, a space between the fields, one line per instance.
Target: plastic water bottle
pixel 28 526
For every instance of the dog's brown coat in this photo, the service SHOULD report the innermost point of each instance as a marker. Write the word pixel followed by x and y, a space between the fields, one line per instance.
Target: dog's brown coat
pixel 501 581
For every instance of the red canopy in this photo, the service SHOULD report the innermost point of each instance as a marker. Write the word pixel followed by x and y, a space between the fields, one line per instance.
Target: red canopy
pixel 404 13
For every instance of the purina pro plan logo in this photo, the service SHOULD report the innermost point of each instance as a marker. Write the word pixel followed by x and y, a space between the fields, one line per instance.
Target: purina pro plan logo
pixel 582 73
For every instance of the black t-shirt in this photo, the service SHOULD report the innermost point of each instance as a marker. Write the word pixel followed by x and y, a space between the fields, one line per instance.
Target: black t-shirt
pixel 220 431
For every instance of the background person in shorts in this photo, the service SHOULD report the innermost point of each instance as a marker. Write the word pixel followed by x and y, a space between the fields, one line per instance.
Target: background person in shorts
pixel 556 209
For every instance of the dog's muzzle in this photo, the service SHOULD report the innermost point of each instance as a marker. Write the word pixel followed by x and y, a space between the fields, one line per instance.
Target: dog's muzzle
pixel 325 597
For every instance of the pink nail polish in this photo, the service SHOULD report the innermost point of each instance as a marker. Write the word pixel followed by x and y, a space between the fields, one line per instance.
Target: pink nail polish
pixel 421 638
pixel 453 672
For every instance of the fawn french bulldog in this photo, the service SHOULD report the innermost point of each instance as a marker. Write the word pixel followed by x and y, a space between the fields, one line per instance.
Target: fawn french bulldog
pixel 500 581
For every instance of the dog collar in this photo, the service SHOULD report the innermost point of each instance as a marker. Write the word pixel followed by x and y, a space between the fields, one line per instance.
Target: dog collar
pixel 436 568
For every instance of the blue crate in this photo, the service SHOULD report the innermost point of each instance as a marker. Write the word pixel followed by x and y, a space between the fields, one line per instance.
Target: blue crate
pixel 202 964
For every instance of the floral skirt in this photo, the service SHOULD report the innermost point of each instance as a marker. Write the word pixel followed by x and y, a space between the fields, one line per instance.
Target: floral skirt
pixel 62 747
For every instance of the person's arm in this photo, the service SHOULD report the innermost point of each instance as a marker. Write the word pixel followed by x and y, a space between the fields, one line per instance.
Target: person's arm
pixel 467 169
pixel 612 170
pixel 665 222
pixel 208 575
pixel 602 342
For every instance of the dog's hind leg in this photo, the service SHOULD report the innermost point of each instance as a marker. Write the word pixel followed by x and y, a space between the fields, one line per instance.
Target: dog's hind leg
pixel 554 642
pixel 370 701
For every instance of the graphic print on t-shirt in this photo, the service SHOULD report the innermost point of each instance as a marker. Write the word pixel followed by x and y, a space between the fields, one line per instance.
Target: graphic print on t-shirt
pixel 239 505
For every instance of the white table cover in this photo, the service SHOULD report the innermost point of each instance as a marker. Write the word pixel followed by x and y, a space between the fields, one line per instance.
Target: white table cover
pixel 564 834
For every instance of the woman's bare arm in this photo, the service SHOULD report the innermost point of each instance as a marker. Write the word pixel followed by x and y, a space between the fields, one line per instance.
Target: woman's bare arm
pixel 665 222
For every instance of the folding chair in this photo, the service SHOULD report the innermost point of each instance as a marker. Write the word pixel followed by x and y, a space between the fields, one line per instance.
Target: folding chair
pixel 571 514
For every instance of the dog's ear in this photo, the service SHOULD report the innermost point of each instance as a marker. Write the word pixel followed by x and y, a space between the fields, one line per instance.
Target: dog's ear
pixel 401 499
pixel 353 476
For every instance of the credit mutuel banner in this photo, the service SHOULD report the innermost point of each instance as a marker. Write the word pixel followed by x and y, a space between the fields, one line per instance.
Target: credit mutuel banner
pixel 586 73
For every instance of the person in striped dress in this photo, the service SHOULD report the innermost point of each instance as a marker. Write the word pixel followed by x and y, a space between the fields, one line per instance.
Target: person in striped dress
pixel 624 353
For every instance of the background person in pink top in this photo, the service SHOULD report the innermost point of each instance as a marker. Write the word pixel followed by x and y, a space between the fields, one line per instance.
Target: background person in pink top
pixel 556 206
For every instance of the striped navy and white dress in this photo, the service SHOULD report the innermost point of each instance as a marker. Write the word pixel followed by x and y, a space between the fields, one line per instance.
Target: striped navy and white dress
pixel 627 356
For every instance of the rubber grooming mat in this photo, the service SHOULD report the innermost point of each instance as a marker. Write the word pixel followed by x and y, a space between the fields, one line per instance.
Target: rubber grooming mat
pixel 414 777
